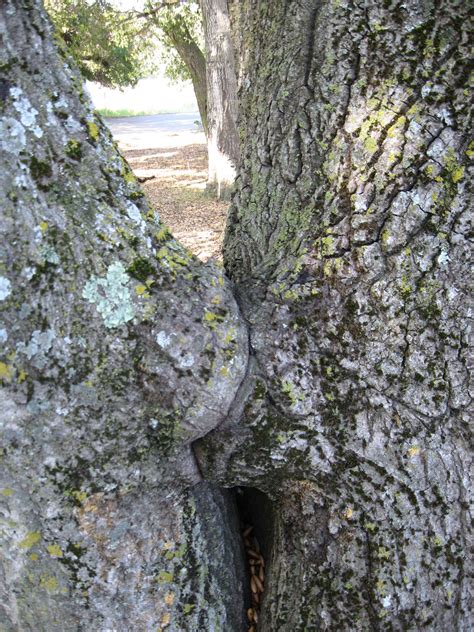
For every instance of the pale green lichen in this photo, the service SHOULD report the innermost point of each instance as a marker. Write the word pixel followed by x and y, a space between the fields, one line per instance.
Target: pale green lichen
pixel 31 538
pixel 5 288
pixel 111 296
pixel 49 254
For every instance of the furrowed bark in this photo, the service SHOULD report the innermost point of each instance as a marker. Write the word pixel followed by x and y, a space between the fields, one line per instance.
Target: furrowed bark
pixel 348 239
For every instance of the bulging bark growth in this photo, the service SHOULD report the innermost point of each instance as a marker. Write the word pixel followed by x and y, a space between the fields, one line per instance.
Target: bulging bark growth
pixel 118 350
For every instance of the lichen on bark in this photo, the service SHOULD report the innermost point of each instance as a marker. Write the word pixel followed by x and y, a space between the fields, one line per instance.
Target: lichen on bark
pixel 98 416
pixel 348 242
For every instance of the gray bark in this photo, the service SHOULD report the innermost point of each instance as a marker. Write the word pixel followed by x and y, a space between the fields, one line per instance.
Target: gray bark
pixel 118 350
pixel 123 357
pixel 348 240
pixel 223 139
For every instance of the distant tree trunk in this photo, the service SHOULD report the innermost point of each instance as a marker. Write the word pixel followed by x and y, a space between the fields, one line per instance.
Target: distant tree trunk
pixel 194 60
pixel 223 139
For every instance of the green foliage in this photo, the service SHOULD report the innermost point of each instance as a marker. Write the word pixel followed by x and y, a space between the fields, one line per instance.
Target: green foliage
pixel 181 21
pixel 111 47
pixel 116 48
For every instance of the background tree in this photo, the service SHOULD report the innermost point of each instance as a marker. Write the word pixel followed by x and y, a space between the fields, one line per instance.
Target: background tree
pixel 337 386
pixel 222 108
pixel 107 44
pixel 181 26
pixel 117 47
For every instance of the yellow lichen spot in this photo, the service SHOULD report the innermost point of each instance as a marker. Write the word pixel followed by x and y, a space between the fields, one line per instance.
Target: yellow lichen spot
pixel 210 317
pixel 54 550
pixel 140 289
pixel 6 372
pixel 229 336
pixel 383 553
pixel 457 174
pixel 224 371
pixel 470 150
pixel 6 492
pixel 169 544
pixel 162 234
pixel 93 130
pixel 88 383
pixel 166 618
pixel 371 145
pixel 33 557
pixel 380 586
pixel 371 526
pixel 216 300
pixel 22 375
pixel 221 281
pixel 413 451
pixel 164 577
pixel 437 541
pixel 79 495
pixel 129 177
pixel 43 227
pixel 349 513
pixel 49 583
pixel 169 598
pixel 31 538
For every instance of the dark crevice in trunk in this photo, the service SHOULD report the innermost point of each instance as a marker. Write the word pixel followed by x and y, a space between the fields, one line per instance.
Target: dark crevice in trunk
pixel 256 509
pixel 256 515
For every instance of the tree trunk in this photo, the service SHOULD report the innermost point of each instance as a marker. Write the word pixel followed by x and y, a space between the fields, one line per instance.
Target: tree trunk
pixel 337 386
pixel 223 139
pixel 194 60
pixel 118 349
pixel 348 242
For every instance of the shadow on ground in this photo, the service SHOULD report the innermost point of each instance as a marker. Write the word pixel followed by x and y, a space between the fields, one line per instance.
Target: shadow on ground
pixel 177 191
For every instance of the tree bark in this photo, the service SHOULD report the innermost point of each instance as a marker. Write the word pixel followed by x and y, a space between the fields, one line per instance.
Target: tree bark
pixel 348 240
pixel 223 139
pixel 194 60
pixel 335 380
pixel 118 349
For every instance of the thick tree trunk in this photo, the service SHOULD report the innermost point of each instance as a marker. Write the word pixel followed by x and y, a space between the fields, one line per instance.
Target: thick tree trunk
pixel 348 245
pixel 348 240
pixel 118 349
pixel 194 60
pixel 223 139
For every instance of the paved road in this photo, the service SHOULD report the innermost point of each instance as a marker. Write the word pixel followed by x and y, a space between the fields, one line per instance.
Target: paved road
pixel 157 130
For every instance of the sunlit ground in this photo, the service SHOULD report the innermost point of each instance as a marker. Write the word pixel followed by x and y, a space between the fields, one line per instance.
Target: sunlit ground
pixel 178 193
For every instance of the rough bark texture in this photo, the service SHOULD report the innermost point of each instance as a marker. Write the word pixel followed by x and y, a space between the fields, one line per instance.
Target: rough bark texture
pixel 348 240
pixel 223 139
pixel 118 349
pixel 194 60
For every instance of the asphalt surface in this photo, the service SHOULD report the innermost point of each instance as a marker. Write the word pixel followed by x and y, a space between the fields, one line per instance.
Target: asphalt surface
pixel 157 130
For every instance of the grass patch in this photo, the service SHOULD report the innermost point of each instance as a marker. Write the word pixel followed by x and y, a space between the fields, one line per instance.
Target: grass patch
pixel 106 112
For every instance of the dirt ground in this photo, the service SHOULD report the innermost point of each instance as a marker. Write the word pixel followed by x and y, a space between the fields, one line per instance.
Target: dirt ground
pixel 178 194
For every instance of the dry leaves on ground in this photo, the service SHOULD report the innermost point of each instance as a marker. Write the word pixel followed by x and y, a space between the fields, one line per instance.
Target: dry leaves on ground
pixel 178 194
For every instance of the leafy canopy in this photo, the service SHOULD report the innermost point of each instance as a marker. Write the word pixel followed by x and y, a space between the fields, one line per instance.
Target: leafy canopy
pixel 116 46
